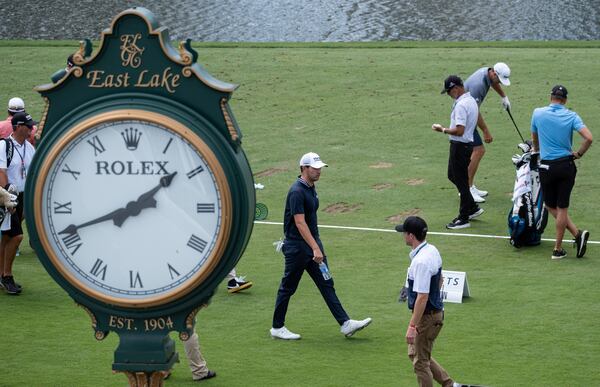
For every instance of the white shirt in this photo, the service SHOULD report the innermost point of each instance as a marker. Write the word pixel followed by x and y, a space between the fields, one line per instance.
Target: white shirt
pixel 425 262
pixel 464 112
pixel 21 159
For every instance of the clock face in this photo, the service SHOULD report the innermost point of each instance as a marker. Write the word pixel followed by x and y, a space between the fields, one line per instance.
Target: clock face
pixel 134 208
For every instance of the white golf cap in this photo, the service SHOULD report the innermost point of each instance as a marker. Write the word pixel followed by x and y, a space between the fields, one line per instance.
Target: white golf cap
pixel 312 159
pixel 503 72
pixel 16 105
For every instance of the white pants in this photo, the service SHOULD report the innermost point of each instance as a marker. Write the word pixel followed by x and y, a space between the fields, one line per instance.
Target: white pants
pixel 232 274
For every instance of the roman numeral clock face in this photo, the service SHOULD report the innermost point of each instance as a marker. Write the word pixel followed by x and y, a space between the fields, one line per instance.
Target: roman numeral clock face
pixel 134 211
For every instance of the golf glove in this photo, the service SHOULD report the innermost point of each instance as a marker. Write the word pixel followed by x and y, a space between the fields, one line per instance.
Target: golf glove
pixel 436 127
pixel 12 189
pixel 505 103
pixel 7 199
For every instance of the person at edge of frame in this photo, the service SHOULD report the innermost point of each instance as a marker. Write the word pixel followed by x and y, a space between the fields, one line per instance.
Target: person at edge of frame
pixel 13 177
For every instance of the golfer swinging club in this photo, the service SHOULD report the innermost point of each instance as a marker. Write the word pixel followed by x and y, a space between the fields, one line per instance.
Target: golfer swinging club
pixel 478 84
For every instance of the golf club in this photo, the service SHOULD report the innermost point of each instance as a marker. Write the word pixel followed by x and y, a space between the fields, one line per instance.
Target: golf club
pixel 516 127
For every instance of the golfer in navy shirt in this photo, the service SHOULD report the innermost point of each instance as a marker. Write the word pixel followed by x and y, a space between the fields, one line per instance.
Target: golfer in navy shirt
pixel 303 250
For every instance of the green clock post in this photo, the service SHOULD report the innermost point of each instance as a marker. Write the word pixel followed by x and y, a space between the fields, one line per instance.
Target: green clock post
pixel 139 199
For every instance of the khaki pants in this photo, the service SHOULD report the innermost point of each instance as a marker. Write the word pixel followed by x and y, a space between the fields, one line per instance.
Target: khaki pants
pixel 425 366
pixel 195 359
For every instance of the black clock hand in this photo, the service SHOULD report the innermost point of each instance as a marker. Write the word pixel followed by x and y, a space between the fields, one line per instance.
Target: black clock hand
pixel 133 208
pixel 145 200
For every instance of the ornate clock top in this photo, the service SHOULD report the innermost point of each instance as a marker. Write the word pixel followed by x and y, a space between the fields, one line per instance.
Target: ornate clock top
pixel 135 56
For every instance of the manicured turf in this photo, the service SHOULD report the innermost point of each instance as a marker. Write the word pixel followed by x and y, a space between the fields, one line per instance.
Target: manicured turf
pixel 367 109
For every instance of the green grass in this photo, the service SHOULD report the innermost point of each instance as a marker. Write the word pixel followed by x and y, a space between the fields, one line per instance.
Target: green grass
pixel 529 322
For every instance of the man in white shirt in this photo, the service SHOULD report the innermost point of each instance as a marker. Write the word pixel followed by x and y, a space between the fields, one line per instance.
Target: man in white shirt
pixel 424 282
pixel 463 120
pixel 14 164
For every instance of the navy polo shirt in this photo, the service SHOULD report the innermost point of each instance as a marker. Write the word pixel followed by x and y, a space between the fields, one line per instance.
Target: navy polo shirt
pixel 301 199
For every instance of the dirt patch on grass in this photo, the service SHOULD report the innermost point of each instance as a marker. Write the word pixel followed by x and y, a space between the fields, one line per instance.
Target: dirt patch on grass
pixel 381 165
pixel 415 181
pixel 269 172
pixel 395 219
pixel 382 186
pixel 341 208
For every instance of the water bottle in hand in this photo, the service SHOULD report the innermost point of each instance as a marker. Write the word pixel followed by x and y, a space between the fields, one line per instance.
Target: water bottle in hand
pixel 324 271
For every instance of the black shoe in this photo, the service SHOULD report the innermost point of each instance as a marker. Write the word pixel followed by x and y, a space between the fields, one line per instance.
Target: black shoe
pixel 209 375
pixel 581 242
pixel 9 285
pixel 559 254
pixel 458 224
pixel 238 284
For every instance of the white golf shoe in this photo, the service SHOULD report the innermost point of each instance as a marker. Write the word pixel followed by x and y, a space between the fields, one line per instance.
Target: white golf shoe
pixel 479 192
pixel 284 334
pixel 350 327
pixel 476 197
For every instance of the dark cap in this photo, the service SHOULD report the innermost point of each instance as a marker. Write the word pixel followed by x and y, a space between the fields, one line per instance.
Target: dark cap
pixel 22 118
pixel 450 82
pixel 559 91
pixel 415 226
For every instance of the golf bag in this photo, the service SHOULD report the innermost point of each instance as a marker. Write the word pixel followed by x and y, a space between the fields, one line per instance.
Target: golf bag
pixel 528 217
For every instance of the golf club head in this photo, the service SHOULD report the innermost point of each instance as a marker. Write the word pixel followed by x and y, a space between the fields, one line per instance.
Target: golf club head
pixel 519 160
pixel 524 147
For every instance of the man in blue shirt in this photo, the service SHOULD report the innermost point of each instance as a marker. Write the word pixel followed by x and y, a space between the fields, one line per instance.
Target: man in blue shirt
pixel 552 130
pixel 303 250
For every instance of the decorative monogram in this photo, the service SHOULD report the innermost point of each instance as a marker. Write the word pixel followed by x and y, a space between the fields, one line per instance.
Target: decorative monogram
pixel 130 52
pixel 132 138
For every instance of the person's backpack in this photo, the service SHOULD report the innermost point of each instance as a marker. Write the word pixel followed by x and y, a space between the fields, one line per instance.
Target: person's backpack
pixel 10 148
pixel 528 217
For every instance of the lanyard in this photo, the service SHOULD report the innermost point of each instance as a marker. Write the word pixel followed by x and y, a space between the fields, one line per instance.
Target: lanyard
pixel 22 156
pixel 419 249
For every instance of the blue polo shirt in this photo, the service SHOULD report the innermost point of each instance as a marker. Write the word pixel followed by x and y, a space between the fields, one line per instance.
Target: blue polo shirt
pixel 301 199
pixel 554 125
pixel 478 84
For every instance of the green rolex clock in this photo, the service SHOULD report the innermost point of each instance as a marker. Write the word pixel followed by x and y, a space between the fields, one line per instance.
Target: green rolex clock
pixel 132 208
pixel 139 199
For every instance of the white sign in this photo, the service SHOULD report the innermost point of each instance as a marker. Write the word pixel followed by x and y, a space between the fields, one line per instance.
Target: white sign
pixel 454 286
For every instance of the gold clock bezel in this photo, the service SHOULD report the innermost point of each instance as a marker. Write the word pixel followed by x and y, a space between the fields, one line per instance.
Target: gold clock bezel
pixel 196 142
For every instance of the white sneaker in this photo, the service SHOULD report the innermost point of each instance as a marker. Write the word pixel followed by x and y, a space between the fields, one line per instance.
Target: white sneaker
pixel 476 213
pixel 476 197
pixel 350 327
pixel 284 334
pixel 479 192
